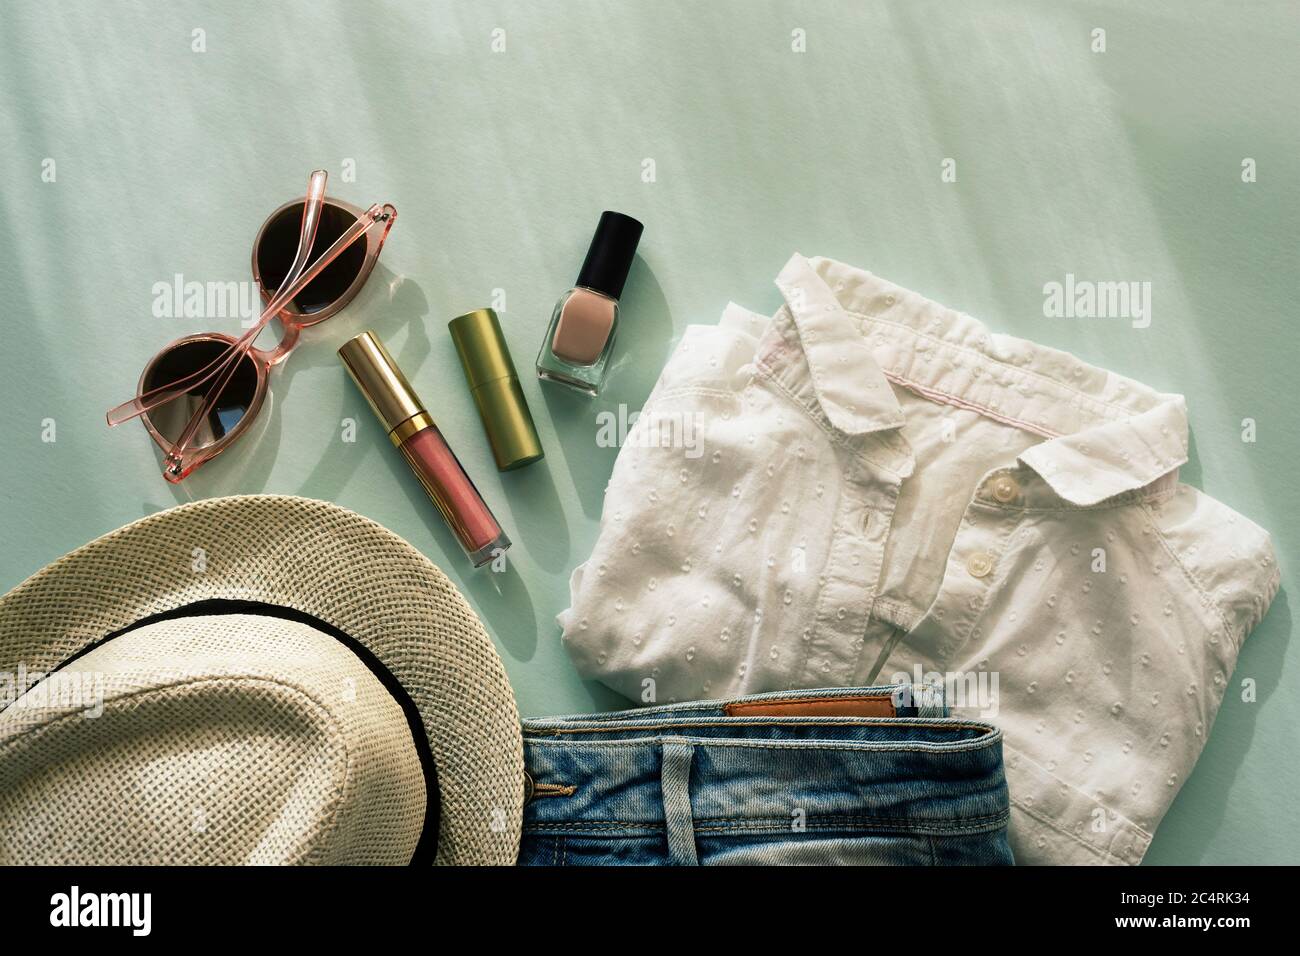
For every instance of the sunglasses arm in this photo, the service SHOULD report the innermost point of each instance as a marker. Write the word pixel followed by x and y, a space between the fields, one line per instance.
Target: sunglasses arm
pixel 174 465
pixel 384 221
pixel 146 401
pixel 181 460
pixel 159 396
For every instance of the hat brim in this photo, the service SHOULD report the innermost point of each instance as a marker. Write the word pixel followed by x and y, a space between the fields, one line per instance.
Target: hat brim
pixel 334 565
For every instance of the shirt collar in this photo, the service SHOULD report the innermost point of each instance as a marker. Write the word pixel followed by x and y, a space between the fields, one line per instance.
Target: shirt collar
pixel 1118 456
pixel 851 388
pixel 1106 435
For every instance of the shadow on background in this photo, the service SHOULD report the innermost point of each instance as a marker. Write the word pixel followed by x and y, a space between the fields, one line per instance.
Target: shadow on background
pixel 642 346
pixel 386 303
pixel 1190 826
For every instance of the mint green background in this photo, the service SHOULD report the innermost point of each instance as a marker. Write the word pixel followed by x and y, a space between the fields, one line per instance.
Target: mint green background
pixel 1122 165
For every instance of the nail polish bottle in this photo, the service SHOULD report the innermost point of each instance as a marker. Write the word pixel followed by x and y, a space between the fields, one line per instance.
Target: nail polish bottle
pixel 417 437
pixel 580 340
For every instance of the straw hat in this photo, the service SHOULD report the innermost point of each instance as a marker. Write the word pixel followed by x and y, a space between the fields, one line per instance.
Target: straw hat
pixel 256 679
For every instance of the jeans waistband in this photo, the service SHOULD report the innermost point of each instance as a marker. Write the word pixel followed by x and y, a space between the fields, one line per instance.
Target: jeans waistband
pixel 757 763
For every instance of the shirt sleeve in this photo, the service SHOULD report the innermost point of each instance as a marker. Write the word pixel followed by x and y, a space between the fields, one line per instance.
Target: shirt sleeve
pixel 1229 559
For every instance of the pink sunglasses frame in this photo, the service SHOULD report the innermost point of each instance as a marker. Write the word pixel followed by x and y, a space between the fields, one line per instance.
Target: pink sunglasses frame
pixel 180 457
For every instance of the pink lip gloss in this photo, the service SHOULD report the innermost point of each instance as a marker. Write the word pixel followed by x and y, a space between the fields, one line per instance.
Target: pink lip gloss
pixel 413 431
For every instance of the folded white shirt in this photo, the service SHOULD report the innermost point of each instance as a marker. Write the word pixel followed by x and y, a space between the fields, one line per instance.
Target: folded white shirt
pixel 870 485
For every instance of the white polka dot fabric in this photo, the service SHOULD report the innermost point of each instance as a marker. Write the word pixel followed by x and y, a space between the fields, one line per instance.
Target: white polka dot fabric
pixel 868 485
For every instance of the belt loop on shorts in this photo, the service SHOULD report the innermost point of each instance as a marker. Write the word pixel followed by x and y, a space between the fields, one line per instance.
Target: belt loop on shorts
pixel 675 780
pixel 924 699
pixel 929 699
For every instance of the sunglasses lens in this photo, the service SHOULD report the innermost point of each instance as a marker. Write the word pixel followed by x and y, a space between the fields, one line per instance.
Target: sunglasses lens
pixel 226 412
pixel 280 242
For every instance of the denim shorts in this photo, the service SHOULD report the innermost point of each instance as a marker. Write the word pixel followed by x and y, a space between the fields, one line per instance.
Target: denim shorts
pixel 873 775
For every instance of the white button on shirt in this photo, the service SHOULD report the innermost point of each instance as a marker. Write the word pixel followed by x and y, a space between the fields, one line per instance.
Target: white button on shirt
pixel 868 485
pixel 979 564
pixel 1005 489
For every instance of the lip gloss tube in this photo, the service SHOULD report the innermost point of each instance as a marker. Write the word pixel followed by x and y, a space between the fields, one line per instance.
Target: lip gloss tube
pixel 413 431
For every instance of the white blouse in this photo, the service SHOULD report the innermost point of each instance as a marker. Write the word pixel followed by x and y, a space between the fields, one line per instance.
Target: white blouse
pixel 869 487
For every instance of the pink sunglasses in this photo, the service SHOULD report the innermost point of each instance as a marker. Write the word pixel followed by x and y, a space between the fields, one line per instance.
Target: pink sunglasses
pixel 199 394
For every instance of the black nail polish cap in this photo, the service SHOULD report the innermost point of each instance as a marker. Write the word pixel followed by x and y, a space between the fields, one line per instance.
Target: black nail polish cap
pixel 610 256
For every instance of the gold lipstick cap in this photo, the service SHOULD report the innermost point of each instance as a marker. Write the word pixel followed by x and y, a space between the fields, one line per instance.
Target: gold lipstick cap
pixel 492 381
pixel 382 382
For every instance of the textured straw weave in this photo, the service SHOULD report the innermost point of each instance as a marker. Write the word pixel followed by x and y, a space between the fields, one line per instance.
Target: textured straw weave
pixel 336 566
pixel 275 744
